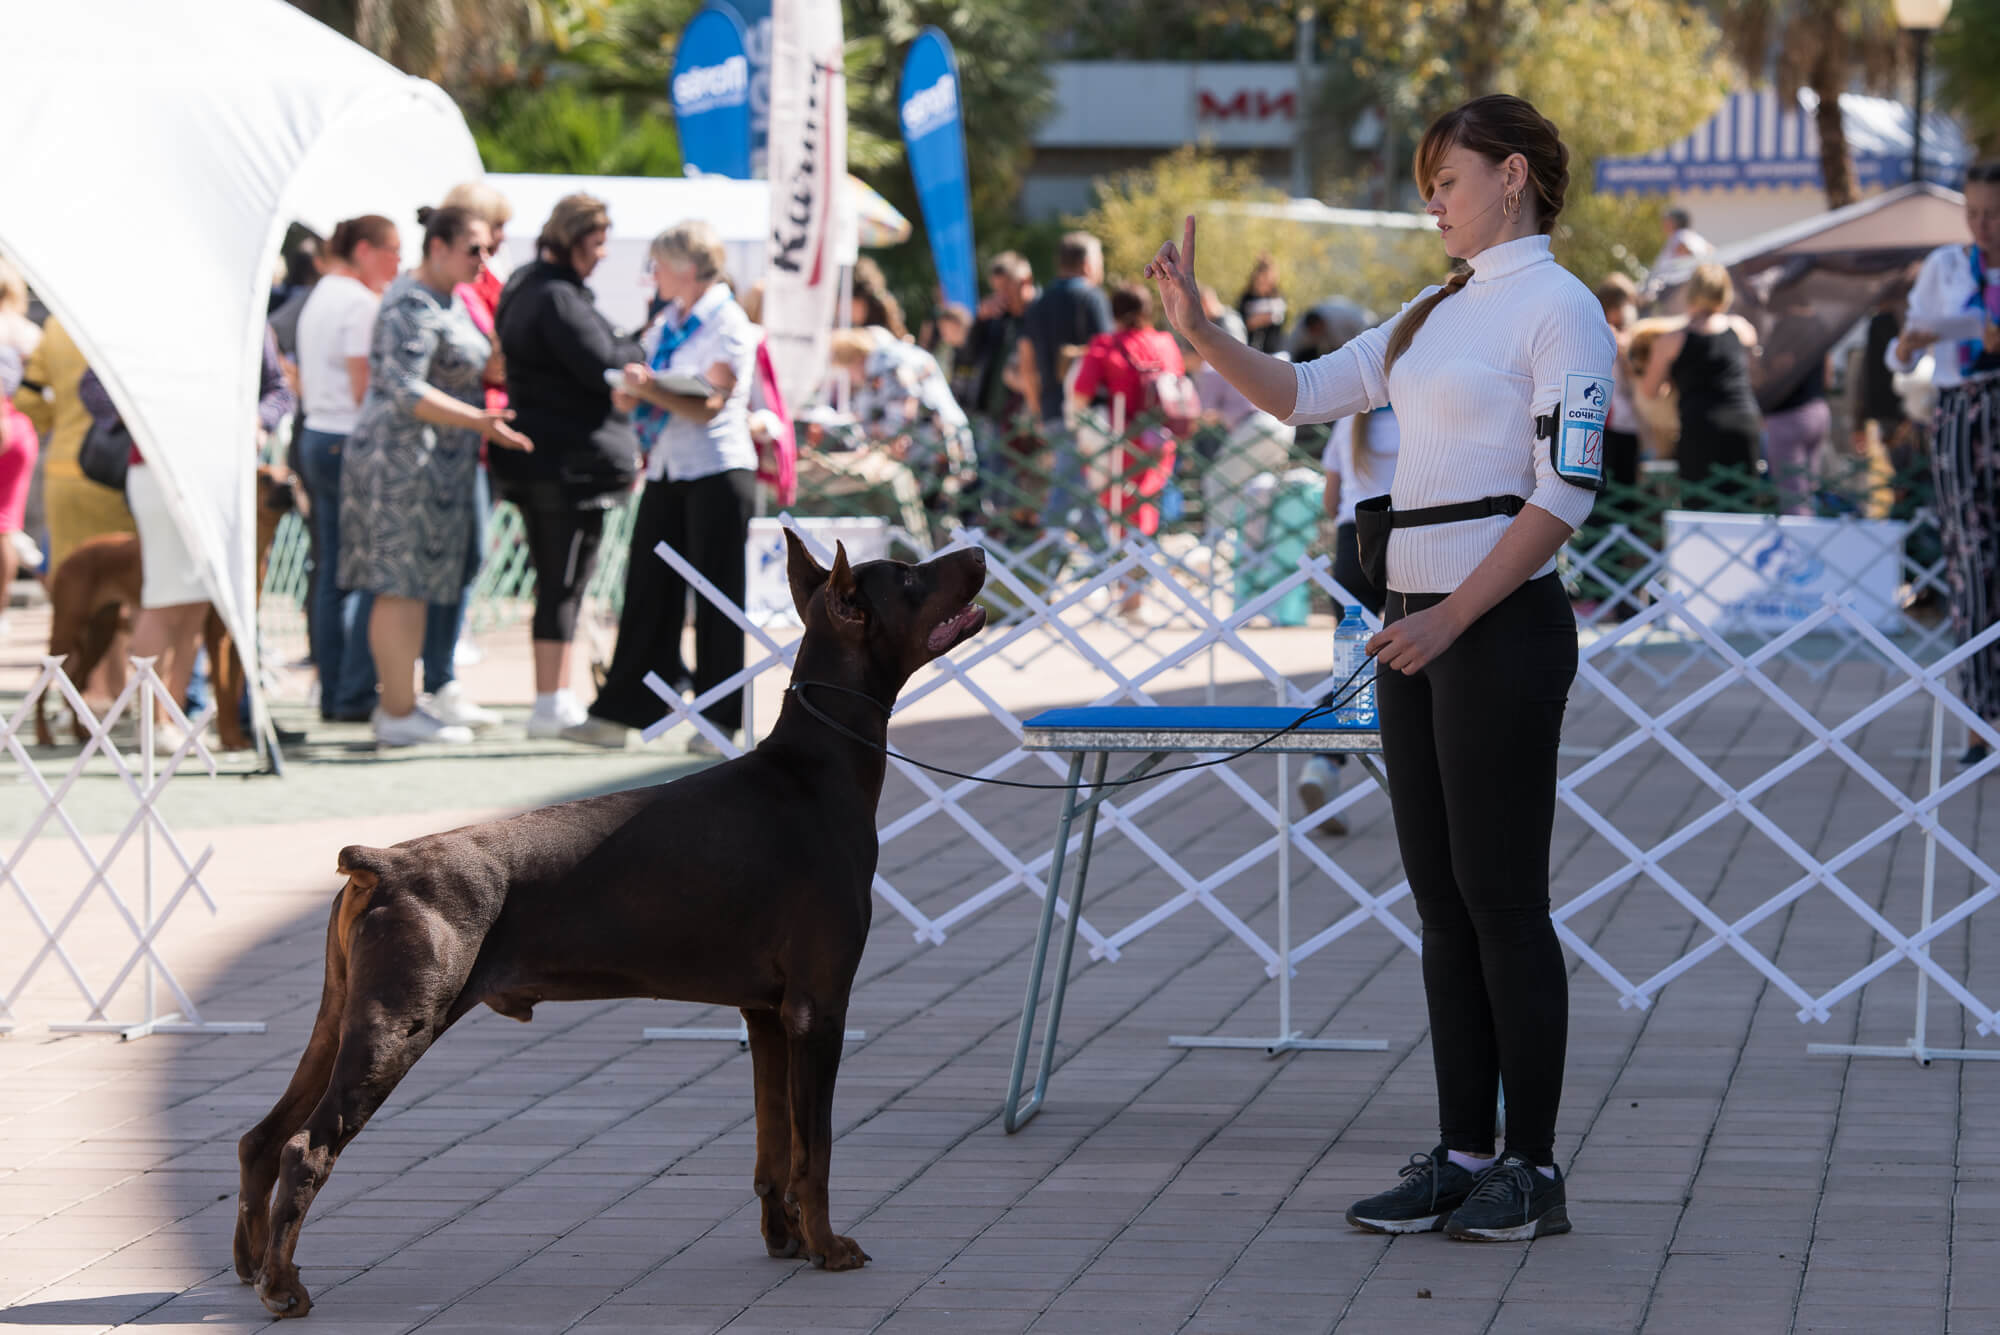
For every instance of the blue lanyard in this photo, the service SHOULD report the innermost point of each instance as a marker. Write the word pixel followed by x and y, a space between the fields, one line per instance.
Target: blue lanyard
pixel 649 420
pixel 1970 350
pixel 671 340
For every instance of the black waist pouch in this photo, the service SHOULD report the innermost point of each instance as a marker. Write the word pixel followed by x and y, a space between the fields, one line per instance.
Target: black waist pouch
pixel 1374 520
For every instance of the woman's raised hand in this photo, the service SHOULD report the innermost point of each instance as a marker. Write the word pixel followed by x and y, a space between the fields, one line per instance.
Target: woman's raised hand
pixel 1173 271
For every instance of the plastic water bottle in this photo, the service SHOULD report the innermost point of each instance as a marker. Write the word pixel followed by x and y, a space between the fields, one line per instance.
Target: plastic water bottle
pixel 1350 656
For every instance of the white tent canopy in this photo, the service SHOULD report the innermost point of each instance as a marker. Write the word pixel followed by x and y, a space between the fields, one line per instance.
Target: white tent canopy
pixel 641 207
pixel 157 149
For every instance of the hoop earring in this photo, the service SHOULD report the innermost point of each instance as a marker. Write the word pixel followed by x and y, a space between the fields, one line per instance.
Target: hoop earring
pixel 1514 205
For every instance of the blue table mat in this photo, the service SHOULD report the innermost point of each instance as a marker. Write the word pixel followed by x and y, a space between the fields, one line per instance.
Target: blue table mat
pixel 1214 718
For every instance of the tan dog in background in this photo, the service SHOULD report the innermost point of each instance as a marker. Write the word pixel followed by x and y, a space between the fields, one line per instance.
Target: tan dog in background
pixel 95 591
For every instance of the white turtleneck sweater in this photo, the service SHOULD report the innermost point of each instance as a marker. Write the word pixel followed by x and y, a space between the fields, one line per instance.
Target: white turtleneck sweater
pixel 1489 360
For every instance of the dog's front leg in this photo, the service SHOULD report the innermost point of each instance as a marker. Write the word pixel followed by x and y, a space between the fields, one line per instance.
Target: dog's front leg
pixel 770 1063
pixel 815 1039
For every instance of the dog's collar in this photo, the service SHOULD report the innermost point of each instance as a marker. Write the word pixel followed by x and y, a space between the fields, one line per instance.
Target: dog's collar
pixel 797 689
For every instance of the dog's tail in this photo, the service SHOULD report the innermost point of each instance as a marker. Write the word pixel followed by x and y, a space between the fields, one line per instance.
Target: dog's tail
pixel 364 868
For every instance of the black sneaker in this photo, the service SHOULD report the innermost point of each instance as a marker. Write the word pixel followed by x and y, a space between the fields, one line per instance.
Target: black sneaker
pixel 1511 1202
pixel 1432 1187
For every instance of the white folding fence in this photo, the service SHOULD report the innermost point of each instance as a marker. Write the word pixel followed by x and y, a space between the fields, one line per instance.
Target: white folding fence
pixel 1060 597
pixel 1051 616
pixel 1629 568
pixel 144 777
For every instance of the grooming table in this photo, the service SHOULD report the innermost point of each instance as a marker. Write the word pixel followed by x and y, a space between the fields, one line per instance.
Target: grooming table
pixel 1156 733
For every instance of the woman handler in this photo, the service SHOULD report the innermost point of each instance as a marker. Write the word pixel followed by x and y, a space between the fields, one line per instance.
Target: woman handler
pixel 1500 380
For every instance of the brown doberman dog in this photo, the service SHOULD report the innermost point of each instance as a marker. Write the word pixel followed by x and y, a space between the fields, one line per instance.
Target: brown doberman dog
pixel 95 590
pixel 747 884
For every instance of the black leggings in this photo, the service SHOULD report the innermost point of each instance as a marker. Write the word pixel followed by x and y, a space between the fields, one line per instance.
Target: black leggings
pixel 1470 746
pixel 706 520
pixel 563 529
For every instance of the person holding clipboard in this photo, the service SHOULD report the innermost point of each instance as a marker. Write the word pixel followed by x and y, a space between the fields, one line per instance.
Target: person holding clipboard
pixel 693 418
pixel 1501 379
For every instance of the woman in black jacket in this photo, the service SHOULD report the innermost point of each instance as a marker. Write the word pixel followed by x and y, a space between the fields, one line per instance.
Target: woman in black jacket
pixel 557 348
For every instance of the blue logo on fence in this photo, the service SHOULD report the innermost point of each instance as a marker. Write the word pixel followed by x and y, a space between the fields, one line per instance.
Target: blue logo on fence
pixel 1782 561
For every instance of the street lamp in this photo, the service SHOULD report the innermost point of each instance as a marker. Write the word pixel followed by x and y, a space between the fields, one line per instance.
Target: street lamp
pixel 1920 18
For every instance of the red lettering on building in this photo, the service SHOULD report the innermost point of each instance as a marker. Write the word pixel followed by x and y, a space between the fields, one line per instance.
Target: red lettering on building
pixel 1247 105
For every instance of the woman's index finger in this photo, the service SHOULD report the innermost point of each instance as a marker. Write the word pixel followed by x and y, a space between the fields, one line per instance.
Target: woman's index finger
pixel 1187 244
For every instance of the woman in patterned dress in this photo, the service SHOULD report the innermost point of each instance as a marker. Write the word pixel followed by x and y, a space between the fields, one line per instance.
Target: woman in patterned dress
pixel 406 503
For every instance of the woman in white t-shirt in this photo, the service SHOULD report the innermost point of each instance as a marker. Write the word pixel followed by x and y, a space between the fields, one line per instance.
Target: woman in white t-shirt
pixel 1501 378
pixel 335 326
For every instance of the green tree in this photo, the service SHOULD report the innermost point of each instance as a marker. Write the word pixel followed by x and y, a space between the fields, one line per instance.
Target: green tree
pixel 1004 91
pixel 1183 29
pixel 1137 210
pixel 559 128
pixel 1616 76
pixel 462 45
pixel 1826 46
pixel 1968 53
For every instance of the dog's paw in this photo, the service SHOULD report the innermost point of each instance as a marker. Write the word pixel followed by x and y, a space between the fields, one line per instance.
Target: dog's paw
pixel 841 1254
pixel 284 1296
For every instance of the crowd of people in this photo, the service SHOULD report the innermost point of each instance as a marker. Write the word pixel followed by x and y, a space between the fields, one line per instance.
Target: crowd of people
pixel 425 395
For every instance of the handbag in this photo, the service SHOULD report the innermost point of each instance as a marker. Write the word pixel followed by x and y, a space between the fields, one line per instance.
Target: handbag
pixel 106 452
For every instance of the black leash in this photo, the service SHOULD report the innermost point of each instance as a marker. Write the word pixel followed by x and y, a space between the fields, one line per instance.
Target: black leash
pixel 1334 699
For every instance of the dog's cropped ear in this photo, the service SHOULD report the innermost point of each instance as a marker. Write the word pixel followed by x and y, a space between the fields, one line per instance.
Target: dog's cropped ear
pixel 842 602
pixel 805 574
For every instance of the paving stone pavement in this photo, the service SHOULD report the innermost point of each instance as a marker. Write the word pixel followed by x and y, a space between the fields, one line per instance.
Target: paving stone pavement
pixel 569 1176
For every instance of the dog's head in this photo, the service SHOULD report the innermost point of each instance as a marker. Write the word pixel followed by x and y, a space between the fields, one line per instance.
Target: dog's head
pixel 898 617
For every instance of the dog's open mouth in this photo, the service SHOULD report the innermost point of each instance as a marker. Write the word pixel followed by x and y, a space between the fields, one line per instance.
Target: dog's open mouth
pixel 956 629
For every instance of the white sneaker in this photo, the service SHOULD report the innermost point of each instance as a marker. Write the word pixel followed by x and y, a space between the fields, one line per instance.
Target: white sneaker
pixel 417 728
pixel 594 731
pixel 1318 785
pixel 547 720
pixel 545 723
pixel 449 706
pixel 701 745
pixel 167 739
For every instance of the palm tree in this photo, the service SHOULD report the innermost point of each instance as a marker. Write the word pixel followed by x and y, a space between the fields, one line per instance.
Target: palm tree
pixel 1822 45
pixel 1968 52
pixel 459 44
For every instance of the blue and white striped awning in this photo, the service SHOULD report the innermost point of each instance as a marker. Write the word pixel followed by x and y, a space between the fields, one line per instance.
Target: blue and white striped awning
pixel 1757 140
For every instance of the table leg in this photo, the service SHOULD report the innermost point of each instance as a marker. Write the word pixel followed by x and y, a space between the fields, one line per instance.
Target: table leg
pixel 1013 1115
pixel 1017 1114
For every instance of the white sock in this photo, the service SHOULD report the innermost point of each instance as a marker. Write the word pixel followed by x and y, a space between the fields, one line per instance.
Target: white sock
pixel 545 701
pixel 1470 1163
pixel 1548 1172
